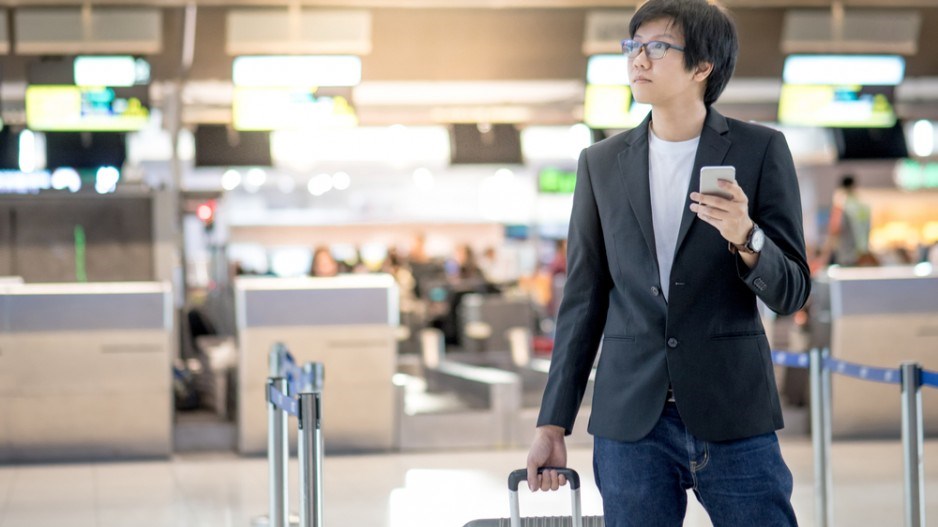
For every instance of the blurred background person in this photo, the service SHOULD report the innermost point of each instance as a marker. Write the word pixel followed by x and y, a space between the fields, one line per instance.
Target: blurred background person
pixel 323 263
pixel 848 232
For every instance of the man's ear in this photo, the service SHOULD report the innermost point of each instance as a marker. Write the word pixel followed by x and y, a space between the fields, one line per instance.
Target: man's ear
pixel 702 71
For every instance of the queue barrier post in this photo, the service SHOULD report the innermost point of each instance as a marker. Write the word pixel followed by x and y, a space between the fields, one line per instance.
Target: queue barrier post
pixel 821 437
pixel 912 444
pixel 276 359
pixel 314 375
pixel 310 457
pixel 277 457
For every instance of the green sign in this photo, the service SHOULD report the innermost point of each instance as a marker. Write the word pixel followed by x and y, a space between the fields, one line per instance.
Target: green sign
pixel 556 181
pixel 914 175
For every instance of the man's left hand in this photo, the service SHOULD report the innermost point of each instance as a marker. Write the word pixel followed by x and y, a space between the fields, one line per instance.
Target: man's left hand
pixel 729 216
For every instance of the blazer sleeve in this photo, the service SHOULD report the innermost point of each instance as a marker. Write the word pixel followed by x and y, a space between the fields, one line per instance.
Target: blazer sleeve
pixel 781 277
pixel 582 313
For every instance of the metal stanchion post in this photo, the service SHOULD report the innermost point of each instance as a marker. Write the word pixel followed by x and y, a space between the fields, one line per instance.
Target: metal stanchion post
pixel 315 374
pixel 275 360
pixel 310 454
pixel 912 443
pixel 821 436
pixel 277 457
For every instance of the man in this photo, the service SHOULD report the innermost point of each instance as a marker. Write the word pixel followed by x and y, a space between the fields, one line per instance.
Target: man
pixel 848 233
pixel 684 394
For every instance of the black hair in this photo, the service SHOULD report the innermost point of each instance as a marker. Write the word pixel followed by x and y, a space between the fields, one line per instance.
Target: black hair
pixel 847 182
pixel 709 36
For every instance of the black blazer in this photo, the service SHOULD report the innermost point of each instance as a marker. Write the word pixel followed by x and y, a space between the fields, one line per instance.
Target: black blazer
pixel 707 341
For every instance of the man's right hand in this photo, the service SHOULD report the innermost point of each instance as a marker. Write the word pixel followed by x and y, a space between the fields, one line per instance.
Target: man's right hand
pixel 547 450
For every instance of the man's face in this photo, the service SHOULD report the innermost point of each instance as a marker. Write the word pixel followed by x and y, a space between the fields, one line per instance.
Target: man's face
pixel 664 81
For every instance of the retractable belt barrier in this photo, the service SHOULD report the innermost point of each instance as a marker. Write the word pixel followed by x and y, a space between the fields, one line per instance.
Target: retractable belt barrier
pixel 309 378
pixel 294 391
pixel 911 377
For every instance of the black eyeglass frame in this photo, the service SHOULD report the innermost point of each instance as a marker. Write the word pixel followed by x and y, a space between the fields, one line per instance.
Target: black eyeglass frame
pixel 644 45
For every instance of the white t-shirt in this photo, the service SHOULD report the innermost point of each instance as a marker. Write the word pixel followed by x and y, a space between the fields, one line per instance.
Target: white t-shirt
pixel 669 169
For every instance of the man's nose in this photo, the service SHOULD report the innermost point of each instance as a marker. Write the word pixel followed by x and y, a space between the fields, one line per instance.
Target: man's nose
pixel 641 59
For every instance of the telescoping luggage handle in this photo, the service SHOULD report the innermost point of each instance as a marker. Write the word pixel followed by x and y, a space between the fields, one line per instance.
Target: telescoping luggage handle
pixel 521 474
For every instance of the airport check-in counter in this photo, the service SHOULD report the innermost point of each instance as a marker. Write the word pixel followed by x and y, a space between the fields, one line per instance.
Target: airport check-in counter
pixel 475 407
pixel 85 371
pixel 349 324
pixel 881 317
pixel 467 405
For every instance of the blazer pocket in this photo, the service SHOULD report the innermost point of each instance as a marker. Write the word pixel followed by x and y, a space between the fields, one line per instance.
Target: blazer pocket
pixel 625 338
pixel 737 335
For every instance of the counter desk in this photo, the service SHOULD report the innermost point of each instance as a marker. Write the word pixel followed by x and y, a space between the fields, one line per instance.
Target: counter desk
pixel 85 371
pixel 881 317
pixel 349 324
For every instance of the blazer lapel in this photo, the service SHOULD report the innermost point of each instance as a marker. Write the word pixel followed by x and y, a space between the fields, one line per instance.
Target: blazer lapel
pixel 710 152
pixel 633 165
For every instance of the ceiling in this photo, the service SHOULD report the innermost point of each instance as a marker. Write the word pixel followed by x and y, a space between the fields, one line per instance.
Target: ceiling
pixel 473 4
pixel 514 60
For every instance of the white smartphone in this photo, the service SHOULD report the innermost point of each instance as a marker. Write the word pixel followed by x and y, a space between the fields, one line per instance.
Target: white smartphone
pixel 709 177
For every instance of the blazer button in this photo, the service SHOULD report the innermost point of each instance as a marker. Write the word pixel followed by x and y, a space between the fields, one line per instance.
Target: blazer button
pixel 654 291
pixel 672 342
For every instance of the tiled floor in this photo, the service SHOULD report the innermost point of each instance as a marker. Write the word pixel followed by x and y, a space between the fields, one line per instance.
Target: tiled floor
pixel 398 490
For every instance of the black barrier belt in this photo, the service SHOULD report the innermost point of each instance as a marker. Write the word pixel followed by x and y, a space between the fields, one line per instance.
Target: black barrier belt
pixel 859 371
pixel 283 402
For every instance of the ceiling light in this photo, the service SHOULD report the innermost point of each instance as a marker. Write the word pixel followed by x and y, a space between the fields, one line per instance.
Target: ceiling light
pixel 230 179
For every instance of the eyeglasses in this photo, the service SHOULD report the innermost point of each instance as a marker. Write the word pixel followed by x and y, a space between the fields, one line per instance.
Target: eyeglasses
pixel 654 49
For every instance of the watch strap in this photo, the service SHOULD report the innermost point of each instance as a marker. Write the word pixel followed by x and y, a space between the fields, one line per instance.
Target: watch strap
pixel 745 247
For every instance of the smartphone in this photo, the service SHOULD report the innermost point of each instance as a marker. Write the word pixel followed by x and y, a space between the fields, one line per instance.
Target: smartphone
pixel 709 177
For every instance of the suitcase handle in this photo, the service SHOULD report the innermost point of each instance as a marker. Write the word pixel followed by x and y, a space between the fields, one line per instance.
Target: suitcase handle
pixel 521 474
pixel 517 476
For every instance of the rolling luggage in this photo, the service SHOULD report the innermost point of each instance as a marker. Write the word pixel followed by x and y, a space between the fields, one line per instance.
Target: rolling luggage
pixel 576 519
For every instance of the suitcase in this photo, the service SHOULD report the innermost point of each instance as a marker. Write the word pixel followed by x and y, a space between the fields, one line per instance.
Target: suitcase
pixel 576 519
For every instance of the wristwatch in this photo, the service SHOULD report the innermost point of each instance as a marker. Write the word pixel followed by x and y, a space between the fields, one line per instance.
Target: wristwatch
pixel 754 242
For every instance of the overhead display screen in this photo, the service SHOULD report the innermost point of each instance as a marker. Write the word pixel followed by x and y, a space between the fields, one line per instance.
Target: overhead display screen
pixel 117 70
pixel 85 151
pixel 217 146
pixel 608 107
pixel 852 106
pixel 67 108
pixel 267 109
pixel 608 102
pixel 840 91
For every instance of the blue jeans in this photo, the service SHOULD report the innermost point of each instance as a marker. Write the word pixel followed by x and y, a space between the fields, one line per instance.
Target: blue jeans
pixel 742 483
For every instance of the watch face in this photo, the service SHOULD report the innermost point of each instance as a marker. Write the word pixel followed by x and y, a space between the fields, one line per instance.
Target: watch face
pixel 758 240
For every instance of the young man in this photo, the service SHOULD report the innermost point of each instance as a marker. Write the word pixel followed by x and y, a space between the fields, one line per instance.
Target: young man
pixel 684 396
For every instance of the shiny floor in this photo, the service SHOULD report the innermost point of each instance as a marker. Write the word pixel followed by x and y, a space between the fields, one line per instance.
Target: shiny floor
pixel 399 490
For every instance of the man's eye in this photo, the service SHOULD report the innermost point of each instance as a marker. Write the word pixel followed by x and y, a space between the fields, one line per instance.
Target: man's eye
pixel 657 45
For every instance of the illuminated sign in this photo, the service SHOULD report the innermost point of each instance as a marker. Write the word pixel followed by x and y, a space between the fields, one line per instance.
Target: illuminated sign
pixel 913 175
pixel 612 107
pixel 840 91
pixel 309 71
pixel 836 106
pixel 65 108
pixel 556 181
pixel 834 70
pixel 120 70
pixel 608 101
pixel 258 109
